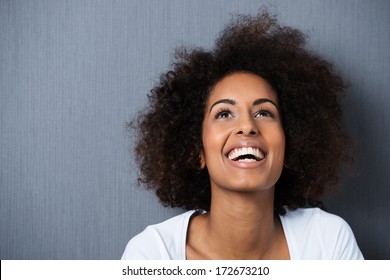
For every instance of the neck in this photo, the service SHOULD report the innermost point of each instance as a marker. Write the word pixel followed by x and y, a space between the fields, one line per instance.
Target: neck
pixel 242 225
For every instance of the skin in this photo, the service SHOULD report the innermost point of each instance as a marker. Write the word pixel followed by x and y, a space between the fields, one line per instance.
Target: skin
pixel 242 111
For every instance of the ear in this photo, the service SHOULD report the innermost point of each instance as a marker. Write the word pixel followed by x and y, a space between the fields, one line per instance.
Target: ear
pixel 202 160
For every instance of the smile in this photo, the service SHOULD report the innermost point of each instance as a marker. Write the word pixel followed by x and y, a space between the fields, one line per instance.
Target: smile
pixel 246 154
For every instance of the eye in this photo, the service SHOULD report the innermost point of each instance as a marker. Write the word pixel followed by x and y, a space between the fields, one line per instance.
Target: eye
pixel 264 113
pixel 223 114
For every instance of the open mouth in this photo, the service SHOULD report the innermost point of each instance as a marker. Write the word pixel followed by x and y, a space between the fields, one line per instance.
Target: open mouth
pixel 246 154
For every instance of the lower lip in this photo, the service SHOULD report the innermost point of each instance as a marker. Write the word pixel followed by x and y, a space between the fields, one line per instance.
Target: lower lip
pixel 242 164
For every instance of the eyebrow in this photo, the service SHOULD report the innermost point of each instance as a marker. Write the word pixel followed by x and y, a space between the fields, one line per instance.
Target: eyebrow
pixel 256 102
pixel 264 100
pixel 225 101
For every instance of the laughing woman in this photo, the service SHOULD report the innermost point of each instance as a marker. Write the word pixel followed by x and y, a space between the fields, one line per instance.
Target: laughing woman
pixel 246 137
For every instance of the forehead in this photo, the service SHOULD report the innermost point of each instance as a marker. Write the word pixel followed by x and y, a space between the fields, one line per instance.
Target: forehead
pixel 241 87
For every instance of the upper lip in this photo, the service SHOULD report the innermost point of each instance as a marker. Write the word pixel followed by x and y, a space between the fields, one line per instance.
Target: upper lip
pixel 263 152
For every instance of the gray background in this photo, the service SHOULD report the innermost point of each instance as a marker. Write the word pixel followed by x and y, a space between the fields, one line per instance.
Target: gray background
pixel 73 72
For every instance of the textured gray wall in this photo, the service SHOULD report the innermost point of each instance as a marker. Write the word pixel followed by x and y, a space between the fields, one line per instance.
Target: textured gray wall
pixel 73 72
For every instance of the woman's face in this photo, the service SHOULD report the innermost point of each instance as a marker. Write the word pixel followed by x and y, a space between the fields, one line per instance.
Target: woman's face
pixel 242 134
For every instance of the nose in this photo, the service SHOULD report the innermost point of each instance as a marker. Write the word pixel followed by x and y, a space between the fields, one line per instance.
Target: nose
pixel 247 127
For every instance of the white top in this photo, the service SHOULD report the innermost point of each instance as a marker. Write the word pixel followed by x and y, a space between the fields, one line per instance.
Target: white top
pixel 311 234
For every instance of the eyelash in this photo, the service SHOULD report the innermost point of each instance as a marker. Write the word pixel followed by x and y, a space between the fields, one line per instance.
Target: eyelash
pixel 223 111
pixel 268 112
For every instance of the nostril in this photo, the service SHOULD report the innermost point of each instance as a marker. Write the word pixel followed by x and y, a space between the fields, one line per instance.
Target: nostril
pixel 252 132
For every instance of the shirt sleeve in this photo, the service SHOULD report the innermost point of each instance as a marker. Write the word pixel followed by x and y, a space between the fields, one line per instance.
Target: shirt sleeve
pixel 147 245
pixel 133 251
pixel 339 239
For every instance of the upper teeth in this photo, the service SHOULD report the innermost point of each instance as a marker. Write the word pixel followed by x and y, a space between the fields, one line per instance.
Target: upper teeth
pixel 234 154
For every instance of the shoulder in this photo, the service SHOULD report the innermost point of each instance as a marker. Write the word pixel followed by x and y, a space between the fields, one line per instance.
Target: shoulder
pixel 317 234
pixel 165 240
pixel 305 216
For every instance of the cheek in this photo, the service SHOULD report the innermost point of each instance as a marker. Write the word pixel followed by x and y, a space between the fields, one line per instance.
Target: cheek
pixel 213 140
pixel 282 141
pixel 278 141
pixel 210 144
pixel 281 149
pixel 207 143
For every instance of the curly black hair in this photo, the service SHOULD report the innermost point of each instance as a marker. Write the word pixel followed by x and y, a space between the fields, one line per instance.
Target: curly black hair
pixel 170 130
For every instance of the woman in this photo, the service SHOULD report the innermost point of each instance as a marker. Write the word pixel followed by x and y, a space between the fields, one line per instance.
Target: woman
pixel 245 137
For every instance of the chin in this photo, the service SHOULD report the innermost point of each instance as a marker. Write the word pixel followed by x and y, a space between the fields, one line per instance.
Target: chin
pixel 248 187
